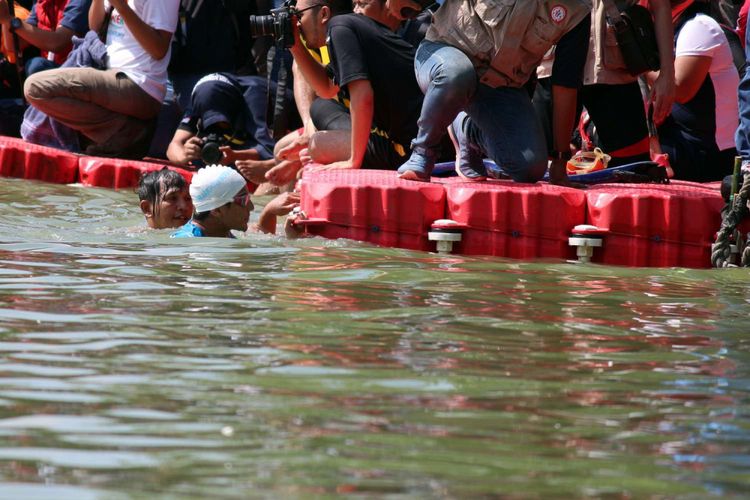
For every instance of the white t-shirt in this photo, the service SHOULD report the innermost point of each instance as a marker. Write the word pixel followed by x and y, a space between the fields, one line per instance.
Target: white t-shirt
pixel 702 36
pixel 126 54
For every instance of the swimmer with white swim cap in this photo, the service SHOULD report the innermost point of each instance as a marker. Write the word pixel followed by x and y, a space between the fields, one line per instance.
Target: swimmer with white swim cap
pixel 222 204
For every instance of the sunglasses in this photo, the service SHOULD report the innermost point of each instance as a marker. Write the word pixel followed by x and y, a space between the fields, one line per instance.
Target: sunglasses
pixel 242 199
pixel 298 12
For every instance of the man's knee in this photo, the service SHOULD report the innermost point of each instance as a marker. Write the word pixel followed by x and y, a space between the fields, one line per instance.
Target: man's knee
pixel 529 166
pixel 33 88
pixel 456 75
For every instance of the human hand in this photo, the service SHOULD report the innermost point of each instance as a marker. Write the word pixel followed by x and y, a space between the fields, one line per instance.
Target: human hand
pixel 305 158
pixel 192 148
pixel 292 150
pixel 403 9
pixel 292 229
pixel 297 34
pixel 559 177
pixel 662 96
pixel 118 4
pixel 282 204
pixel 283 173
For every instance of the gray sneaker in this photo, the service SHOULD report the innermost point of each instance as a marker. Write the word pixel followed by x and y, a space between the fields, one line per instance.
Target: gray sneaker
pixel 469 164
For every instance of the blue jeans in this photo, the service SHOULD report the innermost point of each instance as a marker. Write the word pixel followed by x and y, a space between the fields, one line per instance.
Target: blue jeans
pixel 742 137
pixel 502 122
pixel 37 64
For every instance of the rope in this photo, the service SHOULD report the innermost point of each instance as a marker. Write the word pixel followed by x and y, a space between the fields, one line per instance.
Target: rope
pixel 720 251
pixel 746 256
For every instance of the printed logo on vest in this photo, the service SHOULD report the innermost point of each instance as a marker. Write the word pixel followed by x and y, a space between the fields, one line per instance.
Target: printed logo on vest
pixel 558 13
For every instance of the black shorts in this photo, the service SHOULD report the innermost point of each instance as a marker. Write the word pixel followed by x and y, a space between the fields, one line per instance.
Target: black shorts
pixel 382 153
pixel 620 119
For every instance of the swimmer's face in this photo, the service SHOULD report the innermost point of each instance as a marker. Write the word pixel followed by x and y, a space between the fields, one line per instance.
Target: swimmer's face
pixel 173 209
pixel 237 212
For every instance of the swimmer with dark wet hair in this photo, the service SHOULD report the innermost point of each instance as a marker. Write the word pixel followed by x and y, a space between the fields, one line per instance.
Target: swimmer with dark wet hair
pixel 164 199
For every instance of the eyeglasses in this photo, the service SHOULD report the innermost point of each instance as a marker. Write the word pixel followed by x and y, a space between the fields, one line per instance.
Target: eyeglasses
pixel 300 11
pixel 242 199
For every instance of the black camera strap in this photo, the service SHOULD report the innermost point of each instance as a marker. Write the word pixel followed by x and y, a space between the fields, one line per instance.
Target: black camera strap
pixel 276 113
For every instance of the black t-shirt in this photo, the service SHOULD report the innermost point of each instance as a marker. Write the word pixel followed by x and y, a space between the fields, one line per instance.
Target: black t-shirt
pixel 570 56
pixel 210 38
pixel 363 49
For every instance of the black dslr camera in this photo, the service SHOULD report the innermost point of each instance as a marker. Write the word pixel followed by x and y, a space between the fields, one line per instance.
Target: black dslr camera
pixel 277 24
pixel 210 151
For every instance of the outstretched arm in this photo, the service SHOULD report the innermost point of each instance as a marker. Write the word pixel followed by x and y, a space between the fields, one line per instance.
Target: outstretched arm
pixel 663 89
pixel 281 205
pixel 362 109
pixel 567 77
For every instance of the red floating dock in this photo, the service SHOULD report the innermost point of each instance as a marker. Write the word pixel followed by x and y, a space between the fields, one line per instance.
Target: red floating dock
pixel 655 225
pixel 373 206
pixel 652 225
pixel 118 174
pixel 521 221
pixel 24 160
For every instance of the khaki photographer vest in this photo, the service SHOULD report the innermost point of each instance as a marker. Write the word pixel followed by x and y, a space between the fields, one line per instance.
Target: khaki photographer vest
pixel 505 39
pixel 604 63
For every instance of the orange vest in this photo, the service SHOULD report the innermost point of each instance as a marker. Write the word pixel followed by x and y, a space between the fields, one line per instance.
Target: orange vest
pixel 49 14
pixel 21 13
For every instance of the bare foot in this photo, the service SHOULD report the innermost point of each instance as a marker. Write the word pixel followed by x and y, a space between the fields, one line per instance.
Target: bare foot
pixel 254 170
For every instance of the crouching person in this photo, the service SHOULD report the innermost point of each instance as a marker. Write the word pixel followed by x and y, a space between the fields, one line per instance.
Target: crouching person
pixel 114 108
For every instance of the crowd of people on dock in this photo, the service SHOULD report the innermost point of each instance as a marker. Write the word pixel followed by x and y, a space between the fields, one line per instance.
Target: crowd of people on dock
pixel 256 91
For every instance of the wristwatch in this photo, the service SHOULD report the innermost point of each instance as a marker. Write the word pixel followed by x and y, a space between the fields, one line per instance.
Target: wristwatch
pixel 561 155
pixel 15 24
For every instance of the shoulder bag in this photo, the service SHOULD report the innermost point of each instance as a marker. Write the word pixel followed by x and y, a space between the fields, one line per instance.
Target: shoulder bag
pixel 636 37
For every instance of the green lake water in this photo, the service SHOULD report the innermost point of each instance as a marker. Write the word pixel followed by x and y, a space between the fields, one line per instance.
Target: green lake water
pixel 135 366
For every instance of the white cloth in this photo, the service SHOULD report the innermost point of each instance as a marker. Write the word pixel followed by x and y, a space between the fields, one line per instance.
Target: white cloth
pixel 702 36
pixel 214 186
pixel 126 54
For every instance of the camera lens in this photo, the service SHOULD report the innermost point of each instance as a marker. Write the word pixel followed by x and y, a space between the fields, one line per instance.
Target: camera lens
pixel 261 26
pixel 210 153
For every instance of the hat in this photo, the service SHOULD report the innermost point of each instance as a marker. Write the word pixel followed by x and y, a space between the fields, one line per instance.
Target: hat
pixel 214 186
pixel 217 98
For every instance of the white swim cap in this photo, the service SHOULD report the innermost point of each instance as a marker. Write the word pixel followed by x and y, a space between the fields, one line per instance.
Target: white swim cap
pixel 214 186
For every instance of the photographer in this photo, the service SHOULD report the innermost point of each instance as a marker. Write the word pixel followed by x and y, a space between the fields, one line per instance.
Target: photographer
pixel 225 124
pixel 374 67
